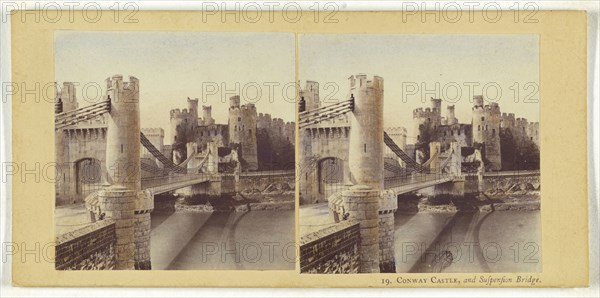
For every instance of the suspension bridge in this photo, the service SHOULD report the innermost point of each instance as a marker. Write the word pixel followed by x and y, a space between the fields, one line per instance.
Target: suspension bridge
pixel 352 132
pixel 125 192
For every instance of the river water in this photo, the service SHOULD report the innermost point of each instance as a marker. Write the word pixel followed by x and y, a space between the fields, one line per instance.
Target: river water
pixel 469 241
pixel 255 240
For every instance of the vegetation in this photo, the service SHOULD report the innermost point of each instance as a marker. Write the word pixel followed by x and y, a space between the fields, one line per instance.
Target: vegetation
pixel 518 154
pixel 274 155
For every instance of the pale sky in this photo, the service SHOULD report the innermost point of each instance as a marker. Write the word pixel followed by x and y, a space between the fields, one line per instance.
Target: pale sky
pixel 172 66
pixel 426 59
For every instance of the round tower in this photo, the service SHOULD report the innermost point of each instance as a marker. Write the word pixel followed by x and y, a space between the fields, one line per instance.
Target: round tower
pixel 436 111
pixel 68 96
pixel 123 201
pixel 248 136
pixel 508 121
pixel 478 100
pixel 178 130
pixel 492 136
pixel 235 119
pixel 450 117
pixel 478 119
pixel 311 95
pixel 207 118
pixel 366 136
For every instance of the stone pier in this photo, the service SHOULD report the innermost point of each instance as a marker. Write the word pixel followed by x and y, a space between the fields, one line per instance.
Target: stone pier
pixel 118 203
pixel 363 207
pixel 387 208
pixel 365 156
pixel 456 187
pixel 123 201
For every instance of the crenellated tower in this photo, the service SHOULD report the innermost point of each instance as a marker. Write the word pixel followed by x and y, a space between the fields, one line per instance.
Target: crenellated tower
pixel 248 136
pixel 428 118
pixel 242 131
pixel 68 96
pixel 235 119
pixel 486 123
pixel 450 116
pixel 207 118
pixel 311 95
pixel 183 125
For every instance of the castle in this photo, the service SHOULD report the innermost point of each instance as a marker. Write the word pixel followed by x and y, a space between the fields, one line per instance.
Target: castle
pixel 483 133
pixel 241 131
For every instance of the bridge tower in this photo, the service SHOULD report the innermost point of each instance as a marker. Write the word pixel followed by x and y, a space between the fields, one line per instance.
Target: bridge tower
pixel 366 166
pixel 123 200
pixel 366 134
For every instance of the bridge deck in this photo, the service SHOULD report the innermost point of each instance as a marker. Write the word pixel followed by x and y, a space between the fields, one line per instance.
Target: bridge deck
pixel 402 185
pixel 159 185
pixel 165 184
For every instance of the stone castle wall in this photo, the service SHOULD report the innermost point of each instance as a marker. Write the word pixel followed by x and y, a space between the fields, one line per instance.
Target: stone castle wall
pixel 484 130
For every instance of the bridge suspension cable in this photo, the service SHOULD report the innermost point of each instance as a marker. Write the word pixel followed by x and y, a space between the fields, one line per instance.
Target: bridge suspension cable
pixel 410 163
pixel 447 160
pixel 325 113
pixel 393 168
pixel 169 165
pixel 69 118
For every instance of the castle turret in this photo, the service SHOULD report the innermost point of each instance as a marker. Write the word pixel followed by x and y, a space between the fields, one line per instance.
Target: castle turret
pixel 508 121
pixel 68 97
pixel 207 118
pixel 366 136
pixel 478 100
pixel 193 111
pixel 450 117
pixel 248 137
pixel 235 119
pixel 311 95
pixel 183 124
pixel 520 131
pixel 533 132
pixel 478 119
pixel 486 130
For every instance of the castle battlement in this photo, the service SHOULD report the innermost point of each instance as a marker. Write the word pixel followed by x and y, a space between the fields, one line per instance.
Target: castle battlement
pixel 395 130
pixel 158 132
pixel 478 100
pixel 360 81
pixel 425 113
pixel 493 108
pixel 117 81
pixel 179 113
pixel 248 107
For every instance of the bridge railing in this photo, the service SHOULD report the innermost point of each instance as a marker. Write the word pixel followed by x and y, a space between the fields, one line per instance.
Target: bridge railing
pixel 268 173
pixel 512 173
pixel 162 181
pixel 398 181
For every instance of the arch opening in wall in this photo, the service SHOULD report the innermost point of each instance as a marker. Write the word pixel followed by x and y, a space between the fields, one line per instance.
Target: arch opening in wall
pixel 330 176
pixel 88 173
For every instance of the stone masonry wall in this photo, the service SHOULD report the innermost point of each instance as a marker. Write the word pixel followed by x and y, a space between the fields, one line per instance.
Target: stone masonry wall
pixel 89 248
pixel 331 250
pixel 525 180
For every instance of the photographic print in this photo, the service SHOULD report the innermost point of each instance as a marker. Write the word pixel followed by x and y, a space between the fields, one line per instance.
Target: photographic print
pixel 175 151
pixel 419 153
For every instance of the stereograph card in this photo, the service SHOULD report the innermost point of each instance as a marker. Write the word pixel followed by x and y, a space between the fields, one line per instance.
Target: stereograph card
pixel 348 149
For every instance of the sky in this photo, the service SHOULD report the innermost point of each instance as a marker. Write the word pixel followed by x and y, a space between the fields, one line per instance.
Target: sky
pixel 406 61
pixel 172 66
